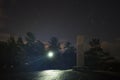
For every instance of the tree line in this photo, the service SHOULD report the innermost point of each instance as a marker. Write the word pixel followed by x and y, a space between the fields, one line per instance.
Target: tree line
pixel 97 59
pixel 31 54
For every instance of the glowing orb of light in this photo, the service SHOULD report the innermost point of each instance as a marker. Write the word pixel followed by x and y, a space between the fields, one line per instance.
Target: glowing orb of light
pixel 50 54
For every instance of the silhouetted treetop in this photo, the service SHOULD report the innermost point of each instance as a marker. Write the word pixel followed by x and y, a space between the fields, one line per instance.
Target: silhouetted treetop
pixel 30 37
pixel 95 42
pixel 54 43
pixel 20 41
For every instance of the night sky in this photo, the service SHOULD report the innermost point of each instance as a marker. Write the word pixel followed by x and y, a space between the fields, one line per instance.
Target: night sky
pixel 64 19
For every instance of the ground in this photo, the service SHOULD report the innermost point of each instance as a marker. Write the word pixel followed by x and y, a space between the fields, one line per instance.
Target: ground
pixel 57 75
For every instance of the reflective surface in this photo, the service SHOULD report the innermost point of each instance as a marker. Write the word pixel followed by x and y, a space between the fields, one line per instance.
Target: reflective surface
pixel 43 75
pixel 57 75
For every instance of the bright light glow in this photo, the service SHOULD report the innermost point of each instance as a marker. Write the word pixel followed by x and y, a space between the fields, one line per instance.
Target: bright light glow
pixel 50 54
pixel 49 75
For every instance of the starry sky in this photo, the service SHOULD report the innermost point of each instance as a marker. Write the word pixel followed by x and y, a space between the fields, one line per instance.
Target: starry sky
pixel 64 19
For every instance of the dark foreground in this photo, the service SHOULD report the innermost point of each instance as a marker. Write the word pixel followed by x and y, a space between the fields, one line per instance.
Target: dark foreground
pixel 59 75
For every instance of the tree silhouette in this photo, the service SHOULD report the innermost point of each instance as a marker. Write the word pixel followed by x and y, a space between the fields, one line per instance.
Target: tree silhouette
pixel 12 52
pixel 34 51
pixel 96 58
pixel 20 41
pixel 54 43
pixel 21 51
pixel 69 56
pixel 54 47
pixel 3 55
pixel 30 38
pixel 68 45
pixel 39 48
pixel 15 54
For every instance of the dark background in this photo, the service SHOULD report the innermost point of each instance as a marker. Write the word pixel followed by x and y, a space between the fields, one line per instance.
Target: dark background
pixel 62 18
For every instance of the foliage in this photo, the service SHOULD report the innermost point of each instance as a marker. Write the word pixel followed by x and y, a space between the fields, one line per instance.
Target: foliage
pixel 30 38
pixel 96 58
pixel 30 54
pixel 54 43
